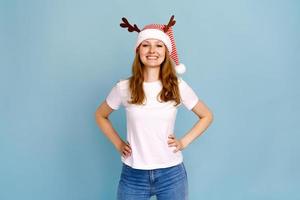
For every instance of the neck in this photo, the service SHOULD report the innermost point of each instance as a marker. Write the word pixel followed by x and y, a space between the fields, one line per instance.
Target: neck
pixel 151 74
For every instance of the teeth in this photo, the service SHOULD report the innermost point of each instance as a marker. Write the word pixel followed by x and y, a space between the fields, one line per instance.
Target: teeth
pixel 151 57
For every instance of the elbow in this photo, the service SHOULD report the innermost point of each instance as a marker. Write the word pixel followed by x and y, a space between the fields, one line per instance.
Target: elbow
pixel 99 115
pixel 96 115
pixel 211 117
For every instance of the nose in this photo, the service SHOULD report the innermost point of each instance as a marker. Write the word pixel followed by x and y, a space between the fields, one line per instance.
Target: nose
pixel 152 49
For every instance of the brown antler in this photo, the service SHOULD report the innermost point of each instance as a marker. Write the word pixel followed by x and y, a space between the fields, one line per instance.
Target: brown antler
pixel 171 23
pixel 125 24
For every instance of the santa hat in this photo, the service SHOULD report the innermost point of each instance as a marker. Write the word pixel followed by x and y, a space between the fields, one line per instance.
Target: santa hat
pixel 161 32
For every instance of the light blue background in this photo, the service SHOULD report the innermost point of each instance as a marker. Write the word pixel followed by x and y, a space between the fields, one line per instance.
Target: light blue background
pixel 59 60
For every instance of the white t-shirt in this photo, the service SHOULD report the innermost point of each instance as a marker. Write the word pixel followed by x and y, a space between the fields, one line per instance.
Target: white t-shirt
pixel 149 125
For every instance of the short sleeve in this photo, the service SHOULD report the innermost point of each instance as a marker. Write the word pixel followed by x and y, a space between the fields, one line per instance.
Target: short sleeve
pixel 114 99
pixel 188 97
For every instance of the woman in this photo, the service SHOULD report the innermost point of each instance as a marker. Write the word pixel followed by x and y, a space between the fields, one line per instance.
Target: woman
pixel 151 156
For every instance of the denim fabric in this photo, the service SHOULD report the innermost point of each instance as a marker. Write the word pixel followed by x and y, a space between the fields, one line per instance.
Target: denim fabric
pixel 166 183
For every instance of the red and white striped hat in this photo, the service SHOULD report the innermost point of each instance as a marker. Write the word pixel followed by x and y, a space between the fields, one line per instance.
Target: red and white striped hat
pixel 161 32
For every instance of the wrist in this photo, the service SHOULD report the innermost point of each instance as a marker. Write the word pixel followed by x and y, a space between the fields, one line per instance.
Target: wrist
pixel 118 145
pixel 185 143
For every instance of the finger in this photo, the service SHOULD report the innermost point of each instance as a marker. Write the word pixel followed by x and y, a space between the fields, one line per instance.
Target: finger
pixel 126 154
pixel 172 136
pixel 127 151
pixel 177 149
pixel 128 148
pixel 173 145
pixel 124 151
pixel 171 141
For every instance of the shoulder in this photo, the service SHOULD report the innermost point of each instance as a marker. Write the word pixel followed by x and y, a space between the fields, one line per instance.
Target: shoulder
pixel 181 82
pixel 122 86
pixel 184 86
pixel 123 83
pixel 179 79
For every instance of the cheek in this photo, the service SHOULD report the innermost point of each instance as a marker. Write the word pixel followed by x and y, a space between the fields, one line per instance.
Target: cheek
pixel 162 52
pixel 142 57
pixel 142 52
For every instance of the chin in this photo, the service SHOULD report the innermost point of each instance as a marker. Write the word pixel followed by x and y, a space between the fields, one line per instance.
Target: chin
pixel 153 64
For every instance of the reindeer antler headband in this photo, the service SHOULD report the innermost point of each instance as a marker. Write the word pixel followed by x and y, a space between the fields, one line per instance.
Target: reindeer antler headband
pixel 157 31
pixel 126 24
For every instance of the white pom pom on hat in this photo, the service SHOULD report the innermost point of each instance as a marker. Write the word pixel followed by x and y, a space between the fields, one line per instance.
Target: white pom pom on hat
pixel 180 69
pixel 161 32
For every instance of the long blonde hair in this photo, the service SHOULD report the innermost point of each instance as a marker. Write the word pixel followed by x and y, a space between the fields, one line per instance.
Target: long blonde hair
pixel 167 75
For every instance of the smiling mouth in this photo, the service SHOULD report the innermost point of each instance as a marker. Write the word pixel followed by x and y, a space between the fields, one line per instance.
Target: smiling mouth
pixel 152 57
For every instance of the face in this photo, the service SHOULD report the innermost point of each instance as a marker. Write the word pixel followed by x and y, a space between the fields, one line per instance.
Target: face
pixel 152 52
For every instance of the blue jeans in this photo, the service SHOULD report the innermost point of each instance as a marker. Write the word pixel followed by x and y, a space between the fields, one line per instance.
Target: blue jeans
pixel 166 183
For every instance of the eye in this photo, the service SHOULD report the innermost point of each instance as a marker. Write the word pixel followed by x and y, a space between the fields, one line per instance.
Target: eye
pixel 145 45
pixel 159 45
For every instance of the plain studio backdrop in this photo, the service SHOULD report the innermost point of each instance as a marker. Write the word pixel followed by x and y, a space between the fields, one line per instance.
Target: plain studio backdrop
pixel 59 59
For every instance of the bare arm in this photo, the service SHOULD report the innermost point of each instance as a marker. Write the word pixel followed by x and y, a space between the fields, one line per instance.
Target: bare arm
pixel 102 114
pixel 205 119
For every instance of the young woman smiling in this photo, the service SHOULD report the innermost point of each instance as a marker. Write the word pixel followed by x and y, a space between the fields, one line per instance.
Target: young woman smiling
pixel 152 154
